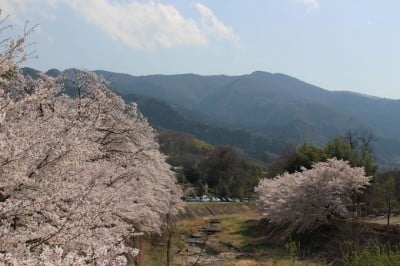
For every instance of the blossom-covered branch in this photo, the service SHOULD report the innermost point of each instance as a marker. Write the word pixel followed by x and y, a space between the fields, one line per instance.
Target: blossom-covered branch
pixel 312 195
pixel 79 174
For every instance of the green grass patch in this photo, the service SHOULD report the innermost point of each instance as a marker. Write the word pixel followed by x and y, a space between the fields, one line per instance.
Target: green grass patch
pixel 153 254
pixel 372 254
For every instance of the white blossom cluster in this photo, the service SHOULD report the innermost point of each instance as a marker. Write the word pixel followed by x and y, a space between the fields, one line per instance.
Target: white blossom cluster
pixel 311 196
pixel 110 256
pixel 79 175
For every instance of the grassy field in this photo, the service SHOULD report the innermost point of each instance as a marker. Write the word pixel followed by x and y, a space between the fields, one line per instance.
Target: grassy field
pixel 231 234
pixel 225 239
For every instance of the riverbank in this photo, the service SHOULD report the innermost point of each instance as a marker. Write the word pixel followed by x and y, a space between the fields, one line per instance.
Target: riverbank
pixel 215 234
pixel 194 210
pixel 234 234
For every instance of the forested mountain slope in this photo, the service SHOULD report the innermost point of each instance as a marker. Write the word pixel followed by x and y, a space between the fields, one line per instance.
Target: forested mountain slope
pixel 163 116
pixel 279 106
pixel 271 108
pixel 281 99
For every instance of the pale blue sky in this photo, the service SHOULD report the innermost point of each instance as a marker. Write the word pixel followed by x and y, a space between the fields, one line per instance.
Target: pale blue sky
pixel 336 44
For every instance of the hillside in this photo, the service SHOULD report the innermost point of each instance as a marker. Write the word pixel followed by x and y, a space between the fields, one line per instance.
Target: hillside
pixel 163 116
pixel 275 105
pixel 260 113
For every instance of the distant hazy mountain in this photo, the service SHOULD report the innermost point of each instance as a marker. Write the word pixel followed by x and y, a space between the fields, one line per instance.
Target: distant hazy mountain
pixel 275 105
pixel 259 112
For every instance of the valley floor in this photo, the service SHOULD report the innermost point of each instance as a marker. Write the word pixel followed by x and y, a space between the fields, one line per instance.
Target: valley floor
pixel 222 239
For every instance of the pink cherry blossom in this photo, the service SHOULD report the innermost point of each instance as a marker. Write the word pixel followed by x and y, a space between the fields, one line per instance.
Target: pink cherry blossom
pixel 312 195
pixel 80 176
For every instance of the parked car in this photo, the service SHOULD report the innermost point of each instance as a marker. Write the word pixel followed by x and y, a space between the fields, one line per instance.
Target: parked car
pixel 204 198
pixel 189 199
pixel 215 199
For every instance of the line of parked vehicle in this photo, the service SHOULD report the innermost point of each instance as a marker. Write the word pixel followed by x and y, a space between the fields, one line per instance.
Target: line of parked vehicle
pixel 205 198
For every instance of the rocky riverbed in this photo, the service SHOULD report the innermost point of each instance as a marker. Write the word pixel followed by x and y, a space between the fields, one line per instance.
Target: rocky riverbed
pixel 203 247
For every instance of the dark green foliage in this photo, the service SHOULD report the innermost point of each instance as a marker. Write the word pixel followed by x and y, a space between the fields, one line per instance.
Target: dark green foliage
pixel 227 174
pixel 384 196
pixel 218 170
pixel 181 149
pixel 395 174
pixel 192 174
pixel 219 165
pixel 304 156
pixel 340 148
pixel 355 149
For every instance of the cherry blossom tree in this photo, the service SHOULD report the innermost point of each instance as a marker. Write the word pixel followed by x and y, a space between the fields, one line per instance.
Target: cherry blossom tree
pixel 311 196
pixel 79 175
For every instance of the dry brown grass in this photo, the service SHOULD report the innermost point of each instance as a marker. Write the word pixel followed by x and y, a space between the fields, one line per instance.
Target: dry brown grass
pixel 239 233
pixel 383 220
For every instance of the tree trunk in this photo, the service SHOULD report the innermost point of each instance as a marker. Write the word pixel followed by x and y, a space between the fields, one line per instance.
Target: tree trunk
pixel 169 247
pixel 389 211
pixel 170 231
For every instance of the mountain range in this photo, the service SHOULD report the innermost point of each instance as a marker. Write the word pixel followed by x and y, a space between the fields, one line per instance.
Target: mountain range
pixel 260 113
